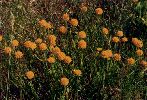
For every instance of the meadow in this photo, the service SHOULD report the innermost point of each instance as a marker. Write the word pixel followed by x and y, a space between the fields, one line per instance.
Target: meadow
pixel 73 50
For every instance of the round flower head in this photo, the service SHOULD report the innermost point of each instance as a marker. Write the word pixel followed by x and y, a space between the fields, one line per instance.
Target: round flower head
pixel 27 44
pixel 42 46
pixel 106 54
pixel 15 43
pixel 82 44
pixel 99 11
pixel 124 39
pixel 42 22
pixel 52 40
pixel 48 26
pixel 38 40
pixel 119 33
pixel 7 50
pixel 64 81
pixel 139 52
pixel 115 39
pixel 137 43
pixel 83 9
pixel 61 55
pixel 51 60
pixel 105 31
pixel 1 37
pixel 65 17
pixel 117 57
pixel 82 34
pixel 55 50
pixel 130 61
pixel 18 54
pixel 77 72
pixel 143 63
pixel 63 29
pixel 33 45
pixel 29 74
pixel 74 22
pixel 67 59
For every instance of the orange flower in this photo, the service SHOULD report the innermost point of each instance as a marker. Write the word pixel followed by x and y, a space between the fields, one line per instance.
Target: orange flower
pixel 51 60
pixel 48 25
pixel 77 72
pixel 33 45
pixel 83 9
pixel 18 54
pixel 99 11
pixel 63 29
pixel 52 40
pixel 106 54
pixel 15 43
pixel 64 81
pixel 61 55
pixel 42 46
pixel 67 59
pixel 124 39
pixel 105 31
pixel 130 61
pixel 29 74
pixel 44 23
pixel 1 37
pixel 82 44
pixel 65 17
pixel 119 33
pixel 39 40
pixel 55 50
pixel 115 39
pixel 137 43
pixel 27 44
pixel 143 63
pixel 82 34
pixel 139 52
pixel 117 57
pixel 74 22
pixel 7 50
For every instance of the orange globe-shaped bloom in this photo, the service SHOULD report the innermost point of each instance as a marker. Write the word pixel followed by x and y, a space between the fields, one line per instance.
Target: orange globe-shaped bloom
pixel 33 45
pixel 105 31
pixel 55 50
pixel 82 34
pixel 38 40
pixel 42 22
pixel 1 37
pixel 137 43
pixel 63 29
pixel 106 54
pixel 29 74
pixel 82 44
pixel 65 17
pixel 7 50
pixel 139 52
pixel 52 40
pixel 83 9
pixel 117 57
pixel 119 33
pixel 124 39
pixel 61 55
pixel 51 60
pixel 115 39
pixel 67 59
pixel 18 54
pixel 99 11
pixel 48 26
pixel 130 61
pixel 64 81
pixel 77 72
pixel 15 43
pixel 74 22
pixel 42 46
pixel 27 44
pixel 143 63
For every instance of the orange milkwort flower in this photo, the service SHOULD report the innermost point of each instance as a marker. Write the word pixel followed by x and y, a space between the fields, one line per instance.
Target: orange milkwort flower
pixel 45 24
pixel 130 61
pixel 33 45
pixel 115 39
pixel 139 52
pixel 124 39
pixel 55 50
pixel 82 44
pixel 117 57
pixel 143 63
pixel 105 31
pixel 63 29
pixel 137 43
pixel 30 74
pixel 38 40
pixel 52 40
pixel 106 54
pixel 61 55
pixel 74 22
pixel 1 37
pixel 42 46
pixel 67 59
pixel 15 43
pixel 18 54
pixel 51 60
pixel 7 50
pixel 77 72
pixel 64 81
pixel 119 33
pixel 65 17
pixel 82 34
pixel 99 11
pixel 27 44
